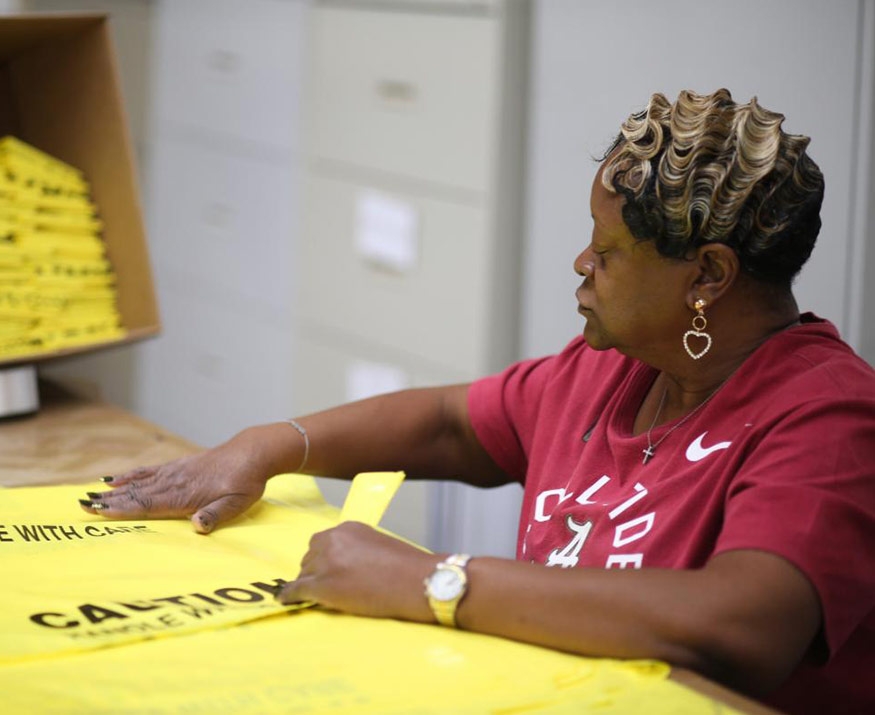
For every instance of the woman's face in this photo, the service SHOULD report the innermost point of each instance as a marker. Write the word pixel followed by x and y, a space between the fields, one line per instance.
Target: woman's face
pixel 633 299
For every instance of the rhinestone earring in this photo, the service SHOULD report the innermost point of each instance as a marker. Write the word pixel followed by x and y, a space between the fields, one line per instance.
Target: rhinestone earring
pixel 698 331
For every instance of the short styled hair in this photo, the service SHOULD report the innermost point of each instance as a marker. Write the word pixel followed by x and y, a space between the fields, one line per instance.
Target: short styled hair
pixel 706 169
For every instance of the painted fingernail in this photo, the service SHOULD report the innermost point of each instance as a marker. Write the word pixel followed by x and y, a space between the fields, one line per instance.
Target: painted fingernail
pixel 94 495
pixel 92 504
pixel 106 480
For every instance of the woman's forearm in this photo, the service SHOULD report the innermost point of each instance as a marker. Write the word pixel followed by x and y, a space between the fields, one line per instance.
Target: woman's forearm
pixel 424 432
pixel 746 619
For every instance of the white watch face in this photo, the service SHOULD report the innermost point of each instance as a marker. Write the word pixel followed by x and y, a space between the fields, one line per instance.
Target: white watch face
pixel 445 584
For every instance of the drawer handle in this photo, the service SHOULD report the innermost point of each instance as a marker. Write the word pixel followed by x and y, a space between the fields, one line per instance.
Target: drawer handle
pixel 217 215
pixel 396 93
pixel 223 61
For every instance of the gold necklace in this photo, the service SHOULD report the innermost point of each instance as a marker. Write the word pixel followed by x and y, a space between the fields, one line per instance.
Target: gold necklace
pixel 651 447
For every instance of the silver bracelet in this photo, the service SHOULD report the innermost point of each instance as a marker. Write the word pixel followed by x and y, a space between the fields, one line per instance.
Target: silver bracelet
pixel 306 437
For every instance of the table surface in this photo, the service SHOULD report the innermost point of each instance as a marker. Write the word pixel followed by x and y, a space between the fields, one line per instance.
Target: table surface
pixel 76 439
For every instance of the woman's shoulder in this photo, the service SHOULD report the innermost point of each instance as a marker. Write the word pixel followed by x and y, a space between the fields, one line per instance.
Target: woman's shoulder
pixel 807 370
pixel 814 355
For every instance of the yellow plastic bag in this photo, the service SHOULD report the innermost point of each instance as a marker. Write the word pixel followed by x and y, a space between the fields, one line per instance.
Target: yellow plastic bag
pixel 77 582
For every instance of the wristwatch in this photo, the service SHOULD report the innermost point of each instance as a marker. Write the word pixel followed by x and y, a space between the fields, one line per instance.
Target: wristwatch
pixel 446 587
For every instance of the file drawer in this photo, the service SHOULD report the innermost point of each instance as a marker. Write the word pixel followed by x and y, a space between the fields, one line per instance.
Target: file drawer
pixel 212 351
pixel 238 74
pixel 410 93
pixel 228 220
pixel 437 308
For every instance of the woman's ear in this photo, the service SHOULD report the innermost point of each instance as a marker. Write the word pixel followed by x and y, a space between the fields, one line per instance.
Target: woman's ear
pixel 718 268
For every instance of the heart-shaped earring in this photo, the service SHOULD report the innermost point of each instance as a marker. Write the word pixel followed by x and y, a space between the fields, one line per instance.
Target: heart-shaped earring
pixel 698 331
pixel 696 334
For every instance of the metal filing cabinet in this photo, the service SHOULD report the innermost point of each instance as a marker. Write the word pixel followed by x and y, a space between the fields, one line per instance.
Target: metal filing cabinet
pixel 214 88
pixel 223 186
pixel 412 210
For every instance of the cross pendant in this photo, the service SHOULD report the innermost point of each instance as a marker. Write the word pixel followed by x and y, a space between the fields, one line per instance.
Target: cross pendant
pixel 648 453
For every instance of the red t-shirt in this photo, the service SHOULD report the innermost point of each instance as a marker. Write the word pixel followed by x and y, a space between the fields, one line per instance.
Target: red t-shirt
pixel 781 459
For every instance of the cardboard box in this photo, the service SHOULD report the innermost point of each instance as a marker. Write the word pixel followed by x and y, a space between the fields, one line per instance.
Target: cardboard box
pixel 60 92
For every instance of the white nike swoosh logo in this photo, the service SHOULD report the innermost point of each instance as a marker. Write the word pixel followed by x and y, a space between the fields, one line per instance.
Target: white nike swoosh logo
pixel 696 452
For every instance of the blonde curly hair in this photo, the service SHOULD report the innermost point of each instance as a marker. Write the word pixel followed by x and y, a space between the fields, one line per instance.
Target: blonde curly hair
pixel 706 169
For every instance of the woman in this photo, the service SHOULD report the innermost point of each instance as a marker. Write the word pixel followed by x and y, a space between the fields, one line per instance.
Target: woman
pixel 698 462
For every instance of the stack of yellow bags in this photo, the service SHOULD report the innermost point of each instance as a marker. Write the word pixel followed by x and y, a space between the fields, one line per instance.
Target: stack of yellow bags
pixel 57 288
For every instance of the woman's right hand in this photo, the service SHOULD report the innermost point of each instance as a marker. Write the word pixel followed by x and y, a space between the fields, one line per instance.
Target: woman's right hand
pixel 210 488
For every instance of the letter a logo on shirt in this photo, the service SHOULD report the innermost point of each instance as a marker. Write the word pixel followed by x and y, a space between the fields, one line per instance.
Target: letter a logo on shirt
pixel 696 452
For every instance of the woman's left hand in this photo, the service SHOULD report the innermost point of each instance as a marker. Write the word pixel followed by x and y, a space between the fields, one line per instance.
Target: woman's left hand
pixel 356 569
